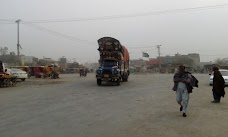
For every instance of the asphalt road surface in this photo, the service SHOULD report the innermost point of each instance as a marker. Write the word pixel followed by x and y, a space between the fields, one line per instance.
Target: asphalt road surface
pixel 74 106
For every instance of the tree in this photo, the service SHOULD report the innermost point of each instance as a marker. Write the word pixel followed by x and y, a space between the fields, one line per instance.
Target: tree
pixel 3 51
pixel 220 61
pixel 10 59
pixel 73 65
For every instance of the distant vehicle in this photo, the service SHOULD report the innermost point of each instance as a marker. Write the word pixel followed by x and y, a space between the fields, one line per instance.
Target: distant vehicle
pixel 83 72
pixel 224 73
pixel 20 74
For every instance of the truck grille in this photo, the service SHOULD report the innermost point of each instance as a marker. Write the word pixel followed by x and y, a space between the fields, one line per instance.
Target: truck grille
pixel 107 72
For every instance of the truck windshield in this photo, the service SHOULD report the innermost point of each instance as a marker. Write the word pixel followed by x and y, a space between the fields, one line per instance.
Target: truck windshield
pixel 109 63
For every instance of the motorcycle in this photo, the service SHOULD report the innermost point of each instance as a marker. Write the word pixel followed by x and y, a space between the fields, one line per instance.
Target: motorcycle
pixel 82 73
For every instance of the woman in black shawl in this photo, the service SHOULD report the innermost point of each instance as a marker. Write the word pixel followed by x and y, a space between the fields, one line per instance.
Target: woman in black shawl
pixel 218 86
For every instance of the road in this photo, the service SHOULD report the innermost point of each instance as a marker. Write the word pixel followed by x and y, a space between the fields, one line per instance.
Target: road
pixel 144 106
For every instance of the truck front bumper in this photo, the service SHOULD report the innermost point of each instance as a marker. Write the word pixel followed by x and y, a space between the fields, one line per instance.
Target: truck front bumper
pixel 111 78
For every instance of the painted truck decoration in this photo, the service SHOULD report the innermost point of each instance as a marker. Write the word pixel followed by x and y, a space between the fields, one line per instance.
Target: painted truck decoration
pixel 114 61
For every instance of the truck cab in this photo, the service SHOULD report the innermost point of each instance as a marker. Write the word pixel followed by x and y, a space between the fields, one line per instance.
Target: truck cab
pixel 108 71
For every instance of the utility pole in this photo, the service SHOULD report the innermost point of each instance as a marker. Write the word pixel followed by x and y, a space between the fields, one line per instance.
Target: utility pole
pixel 159 57
pixel 18 44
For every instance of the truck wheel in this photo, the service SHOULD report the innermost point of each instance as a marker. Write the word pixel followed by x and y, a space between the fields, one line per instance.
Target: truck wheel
pixel 118 82
pixel 125 78
pixel 99 82
pixel 23 79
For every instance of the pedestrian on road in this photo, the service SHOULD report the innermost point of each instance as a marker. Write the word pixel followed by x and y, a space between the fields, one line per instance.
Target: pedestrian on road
pixel 218 86
pixel 183 85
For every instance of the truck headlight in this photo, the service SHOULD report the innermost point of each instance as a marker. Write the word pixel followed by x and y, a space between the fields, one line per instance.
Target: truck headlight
pixel 99 71
pixel 114 71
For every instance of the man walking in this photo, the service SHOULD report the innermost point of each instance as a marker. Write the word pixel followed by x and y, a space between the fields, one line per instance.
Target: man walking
pixel 183 85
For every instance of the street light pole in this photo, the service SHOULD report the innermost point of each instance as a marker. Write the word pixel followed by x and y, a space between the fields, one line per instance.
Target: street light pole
pixel 159 57
pixel 18 44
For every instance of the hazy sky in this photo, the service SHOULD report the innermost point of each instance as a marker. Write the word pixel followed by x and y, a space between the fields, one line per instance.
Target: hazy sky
pixel 197 31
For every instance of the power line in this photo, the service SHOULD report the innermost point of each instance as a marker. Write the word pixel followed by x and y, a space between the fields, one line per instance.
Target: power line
pixel 215 55
pixel 141 47
pixel 34 26
pixel 131 15
pixel 66 36
pixel 58 34
pixel 6 22
pixel 72 38
pixel 7 19
pixel 191 50
pixel 2 21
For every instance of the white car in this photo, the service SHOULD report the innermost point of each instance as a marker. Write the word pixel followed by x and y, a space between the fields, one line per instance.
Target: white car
pixel 20 74
pixel 224 73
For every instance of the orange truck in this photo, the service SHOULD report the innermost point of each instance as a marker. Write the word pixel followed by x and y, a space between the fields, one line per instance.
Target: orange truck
pixel 114 61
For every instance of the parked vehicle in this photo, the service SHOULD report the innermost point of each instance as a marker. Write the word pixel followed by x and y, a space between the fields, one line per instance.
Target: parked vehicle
pixel 224 73
pixel 114 61
pixel 37 71
pixel 23 68
pixel 20 74
pixel 53 71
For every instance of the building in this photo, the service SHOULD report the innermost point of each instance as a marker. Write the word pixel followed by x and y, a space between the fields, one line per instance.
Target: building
pixel 195 57
pixel 138 65
pixel 47 61
pixel 63 62
pixel 181 59
pixel 28 60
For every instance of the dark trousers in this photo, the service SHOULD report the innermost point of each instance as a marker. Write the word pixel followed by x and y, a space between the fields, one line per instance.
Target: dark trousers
pixel 216 96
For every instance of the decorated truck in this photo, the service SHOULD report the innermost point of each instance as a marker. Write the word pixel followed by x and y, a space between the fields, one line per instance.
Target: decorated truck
pixel 113 62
